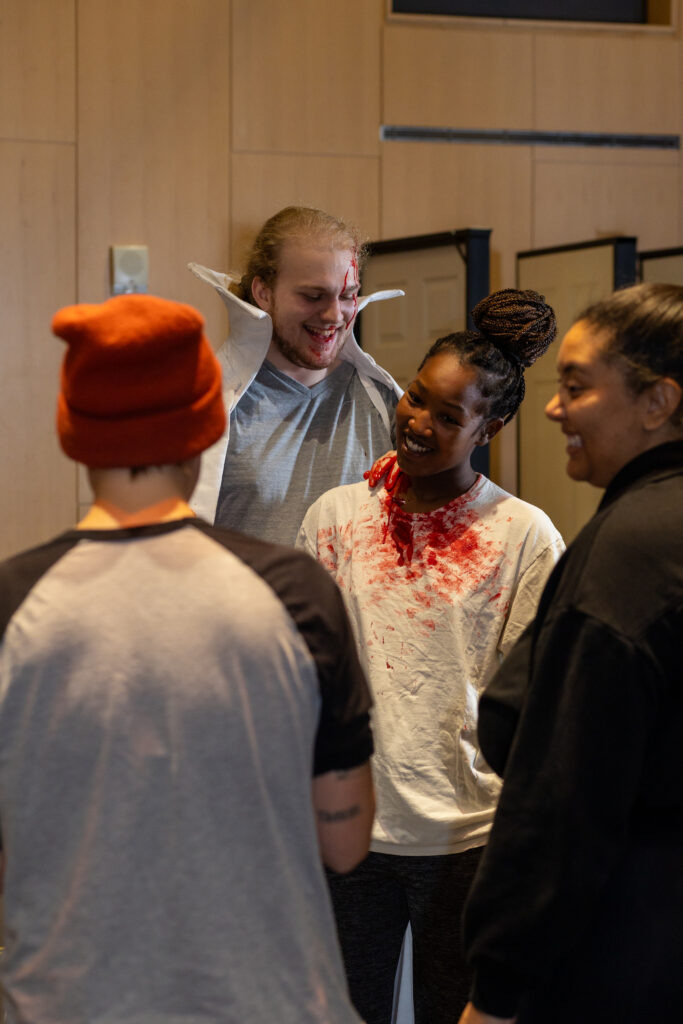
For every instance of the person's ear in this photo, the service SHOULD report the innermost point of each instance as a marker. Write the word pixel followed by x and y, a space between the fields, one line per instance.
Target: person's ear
pixel 488 431
pixel 263 295
pixel 660 401
pixel 94 479
pixel 188 475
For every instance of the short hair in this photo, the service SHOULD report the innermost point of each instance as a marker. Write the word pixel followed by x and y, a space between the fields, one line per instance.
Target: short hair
pixel 295 222
pixel 644 328
pixel 514 328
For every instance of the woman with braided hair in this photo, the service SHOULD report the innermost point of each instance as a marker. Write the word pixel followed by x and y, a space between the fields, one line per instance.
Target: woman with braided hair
pixel 441 571
pixel 576 912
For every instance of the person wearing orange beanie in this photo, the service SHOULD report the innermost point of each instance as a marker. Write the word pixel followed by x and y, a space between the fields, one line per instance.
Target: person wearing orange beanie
pixel 140 389
pixel 170 696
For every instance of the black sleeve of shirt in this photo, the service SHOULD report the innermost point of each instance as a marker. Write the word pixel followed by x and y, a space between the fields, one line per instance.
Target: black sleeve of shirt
pixel 19 574
pixel 312 598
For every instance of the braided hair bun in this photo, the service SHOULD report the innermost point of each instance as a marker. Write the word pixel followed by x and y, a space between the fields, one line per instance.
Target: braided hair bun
pixel 519 323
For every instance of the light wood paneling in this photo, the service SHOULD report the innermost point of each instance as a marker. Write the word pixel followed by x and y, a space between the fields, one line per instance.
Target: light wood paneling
pixel 429 188
pixel 306 76
pixel 347 187
pixel 398 333
pixel 154 141
pixel 584 194
pixel 503 458
pixel 37 276
pixel 432 187
pixel 570 279
pixel 458 78
pixel 664 269
pixel 37 69
pixel 607 82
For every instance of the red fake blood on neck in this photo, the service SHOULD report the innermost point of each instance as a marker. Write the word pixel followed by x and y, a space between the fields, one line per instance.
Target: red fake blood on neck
pixel 434 558
pixel 445 536
pixel 400 529
pixel 444 553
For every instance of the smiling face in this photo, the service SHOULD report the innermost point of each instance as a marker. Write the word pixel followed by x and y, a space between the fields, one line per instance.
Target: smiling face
pixel 601 417
pixel 312 304
pixel 439 421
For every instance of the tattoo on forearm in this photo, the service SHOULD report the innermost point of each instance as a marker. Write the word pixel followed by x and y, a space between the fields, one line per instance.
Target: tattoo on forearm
pixel 330 817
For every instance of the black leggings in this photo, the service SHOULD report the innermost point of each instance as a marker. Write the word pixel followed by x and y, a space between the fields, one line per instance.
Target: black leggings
pixel 373 906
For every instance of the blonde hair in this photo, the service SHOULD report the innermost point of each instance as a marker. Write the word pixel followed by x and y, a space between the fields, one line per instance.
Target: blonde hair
pixel 295 222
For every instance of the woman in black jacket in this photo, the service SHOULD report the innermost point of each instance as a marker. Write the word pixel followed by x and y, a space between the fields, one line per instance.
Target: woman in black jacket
pixel 576 912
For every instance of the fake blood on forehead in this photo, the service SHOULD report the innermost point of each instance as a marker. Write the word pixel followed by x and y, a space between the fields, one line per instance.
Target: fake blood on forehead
pixel 354 268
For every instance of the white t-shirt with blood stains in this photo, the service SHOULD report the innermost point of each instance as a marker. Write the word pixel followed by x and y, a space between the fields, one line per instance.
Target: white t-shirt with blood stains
pixel 436 599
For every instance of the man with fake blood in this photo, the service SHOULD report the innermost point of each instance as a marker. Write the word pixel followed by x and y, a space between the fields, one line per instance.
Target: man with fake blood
pixel 308 409
pixel 441 571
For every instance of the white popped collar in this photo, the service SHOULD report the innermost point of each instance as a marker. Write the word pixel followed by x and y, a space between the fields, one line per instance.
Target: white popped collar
pixel 242 355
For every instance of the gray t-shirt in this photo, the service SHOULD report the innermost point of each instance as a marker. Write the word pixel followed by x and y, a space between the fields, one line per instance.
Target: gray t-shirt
pixel 165 694
pixel 290 443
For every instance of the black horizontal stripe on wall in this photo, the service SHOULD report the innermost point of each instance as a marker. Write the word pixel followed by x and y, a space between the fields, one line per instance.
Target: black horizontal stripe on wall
pixel 626 11
pixel 408 133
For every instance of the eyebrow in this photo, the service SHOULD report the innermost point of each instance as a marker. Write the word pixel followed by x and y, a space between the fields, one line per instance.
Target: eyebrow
pixel 563 368
pixel 444 401
pixel 332 291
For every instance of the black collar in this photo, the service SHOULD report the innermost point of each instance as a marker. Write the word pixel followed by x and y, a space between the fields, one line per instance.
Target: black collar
pixel 665 459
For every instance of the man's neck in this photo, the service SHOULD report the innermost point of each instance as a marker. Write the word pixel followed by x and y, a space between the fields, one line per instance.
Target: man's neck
pixel 103 515
pixel 125 498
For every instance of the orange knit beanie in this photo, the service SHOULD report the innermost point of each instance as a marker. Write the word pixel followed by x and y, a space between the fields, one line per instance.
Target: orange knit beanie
pixel 140 385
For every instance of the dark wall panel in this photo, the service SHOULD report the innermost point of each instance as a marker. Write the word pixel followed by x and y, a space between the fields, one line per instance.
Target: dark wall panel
pixel 560 10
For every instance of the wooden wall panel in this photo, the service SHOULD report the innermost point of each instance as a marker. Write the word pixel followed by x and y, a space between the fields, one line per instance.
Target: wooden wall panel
pixel 607 81
pixel 154 90
pixel 37 69
pixel 580 195
pixel 668 269
pixel 458 78
pixel 262 184
pixel 432 187
pixel 37 276
pixel 306 76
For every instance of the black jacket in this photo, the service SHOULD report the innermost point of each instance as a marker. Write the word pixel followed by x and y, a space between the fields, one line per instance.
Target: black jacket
pixel 577 911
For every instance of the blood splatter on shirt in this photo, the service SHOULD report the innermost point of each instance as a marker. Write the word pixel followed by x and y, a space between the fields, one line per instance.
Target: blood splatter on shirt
pixel 444 553
pixel 435 598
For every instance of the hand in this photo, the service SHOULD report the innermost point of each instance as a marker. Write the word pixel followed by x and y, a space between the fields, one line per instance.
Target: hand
pixel 387 466
pixel 384 464
pixel 470 1015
